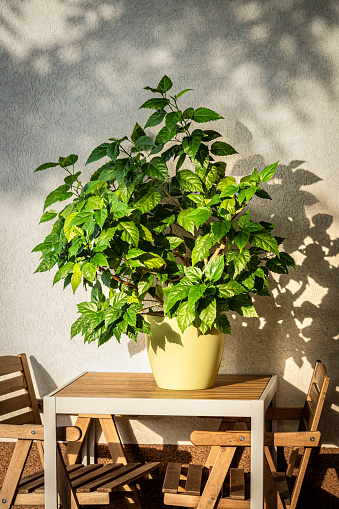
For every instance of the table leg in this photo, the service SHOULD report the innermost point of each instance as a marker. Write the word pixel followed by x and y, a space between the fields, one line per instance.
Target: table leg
pixel 274 429
pixel 50 467
pixel 257 456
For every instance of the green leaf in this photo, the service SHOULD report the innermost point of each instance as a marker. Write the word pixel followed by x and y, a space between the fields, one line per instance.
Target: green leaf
pixel 118 300
pixel 173 241
pixel 156 103
pixel 225 182
pixel 45 166
pixel 130 317
pixel 98 153
pixel 220 229
pixel 68 161
pixel 113 151
pixel 191 145
pixel 205 115
pixel 174 294
pixel 137 133
pixel 241 239
pixel 77 326
pixel 220 148
pixel 112 315
pixel 164 135
pixel 265 241
pixel 104 239
pixel 197 198
pixel 48 216
pixel 144 143
pixel 75 219
pixel 172 119
pixel 99 260
pixel 43 247
pixel 134 253
pixel 229 190
pixel 242 304
pixel 76 277
pixel 262 194
pixel 189 181
pixel 152 261
pixel 195 293
pixel 185 221
pixel 223 325
pixel 130 233
pixel 244 221
pixel 188 113
pixel 164 85
pixel 148 202
pixel 100 217
pixel 145 234
pixel 145 283
pixel 208 314
pixel 210 135
pixel 183 92
pixel 180 162
pixel 185 316
pixel 59 194
pixel 267 173
pixel 287 259
pixel 200 215
pixel 230 289
pixel 240 261
pixel 156 169
pixel 202 248
pixel 156 118
pixel 89 271
pixel 214 269
pixel 63 271
pixel 193 274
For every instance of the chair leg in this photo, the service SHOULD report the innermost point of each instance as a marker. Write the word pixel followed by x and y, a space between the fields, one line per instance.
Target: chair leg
pixel 73 448
pixel 132 500
pixel 14 472
pixel 113 440
pixel 66 493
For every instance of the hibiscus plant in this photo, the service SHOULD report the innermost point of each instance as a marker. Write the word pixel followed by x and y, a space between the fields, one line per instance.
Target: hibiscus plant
pixel 160 228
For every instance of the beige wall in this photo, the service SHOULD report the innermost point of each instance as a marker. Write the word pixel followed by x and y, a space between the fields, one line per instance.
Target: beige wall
pixel 72 73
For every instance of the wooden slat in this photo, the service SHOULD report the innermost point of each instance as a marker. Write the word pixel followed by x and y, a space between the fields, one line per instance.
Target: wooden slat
pixel 14 404
pixel 320 373
pixel 30 388
pixel 243 438
pixel 216 478
pixel 13 384
pixel 175 499
pixel 130 477
pixel 172 478
pixel 194 478
pixel 104 476
pixel 93 476
pixel 282 486
pixel 14 471
pixel 237 484
pixel 9 364
pixel 25 418
pixel 313 395
pixel 283 413
pixel 34 484
pixel 36 432
pixel 73 448
pixel 34 499
pixel 112 439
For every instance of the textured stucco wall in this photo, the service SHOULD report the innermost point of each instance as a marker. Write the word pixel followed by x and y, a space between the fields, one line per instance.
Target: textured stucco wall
pixel 72 73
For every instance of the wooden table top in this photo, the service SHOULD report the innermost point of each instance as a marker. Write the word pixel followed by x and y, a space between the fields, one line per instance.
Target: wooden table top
pixel 143 386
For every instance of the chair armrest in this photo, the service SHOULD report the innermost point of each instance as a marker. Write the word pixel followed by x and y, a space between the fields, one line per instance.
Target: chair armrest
pixel 40 402
pixel 36 432
pixel 284 413
pixel 243 438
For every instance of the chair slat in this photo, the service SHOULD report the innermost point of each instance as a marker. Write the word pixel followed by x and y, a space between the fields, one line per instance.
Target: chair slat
pixel 237 483
pixel 172 478
pixel 14 404
pixel 106 475
pixel 320 373
pixel 194 479
pixel 34 484
pixel 10 364
pixel 12 384
pixel 25 418
pixel 282 486
pixel 313 396
pixel 129 477
pixel 91 476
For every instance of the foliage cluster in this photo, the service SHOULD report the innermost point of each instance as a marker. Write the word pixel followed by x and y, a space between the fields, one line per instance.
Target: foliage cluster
pixel 147 240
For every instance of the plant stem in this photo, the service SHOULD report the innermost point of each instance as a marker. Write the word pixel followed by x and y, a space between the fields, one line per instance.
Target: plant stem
pixel 173 200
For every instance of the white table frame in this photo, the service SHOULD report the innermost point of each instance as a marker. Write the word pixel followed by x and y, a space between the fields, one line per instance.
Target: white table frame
pixel 255 409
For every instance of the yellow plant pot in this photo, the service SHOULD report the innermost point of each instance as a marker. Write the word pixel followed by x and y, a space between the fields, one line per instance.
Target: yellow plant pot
pixel 186 360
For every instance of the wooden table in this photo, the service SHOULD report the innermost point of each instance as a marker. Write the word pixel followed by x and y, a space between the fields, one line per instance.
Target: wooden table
pixel 138 394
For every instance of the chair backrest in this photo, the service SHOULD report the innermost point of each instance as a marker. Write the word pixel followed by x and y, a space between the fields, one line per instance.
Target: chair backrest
pixel 315 398
pixel 18 404
pixel 309 422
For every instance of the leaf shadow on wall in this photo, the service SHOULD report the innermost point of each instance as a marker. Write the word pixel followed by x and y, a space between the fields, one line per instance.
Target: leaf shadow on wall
pixel 300 324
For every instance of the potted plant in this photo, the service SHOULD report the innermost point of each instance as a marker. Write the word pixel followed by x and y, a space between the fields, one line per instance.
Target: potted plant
pixel 163 238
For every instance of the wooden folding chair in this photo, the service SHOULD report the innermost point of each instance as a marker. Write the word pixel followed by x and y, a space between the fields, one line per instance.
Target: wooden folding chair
pixel 281 489
pixel 77 484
